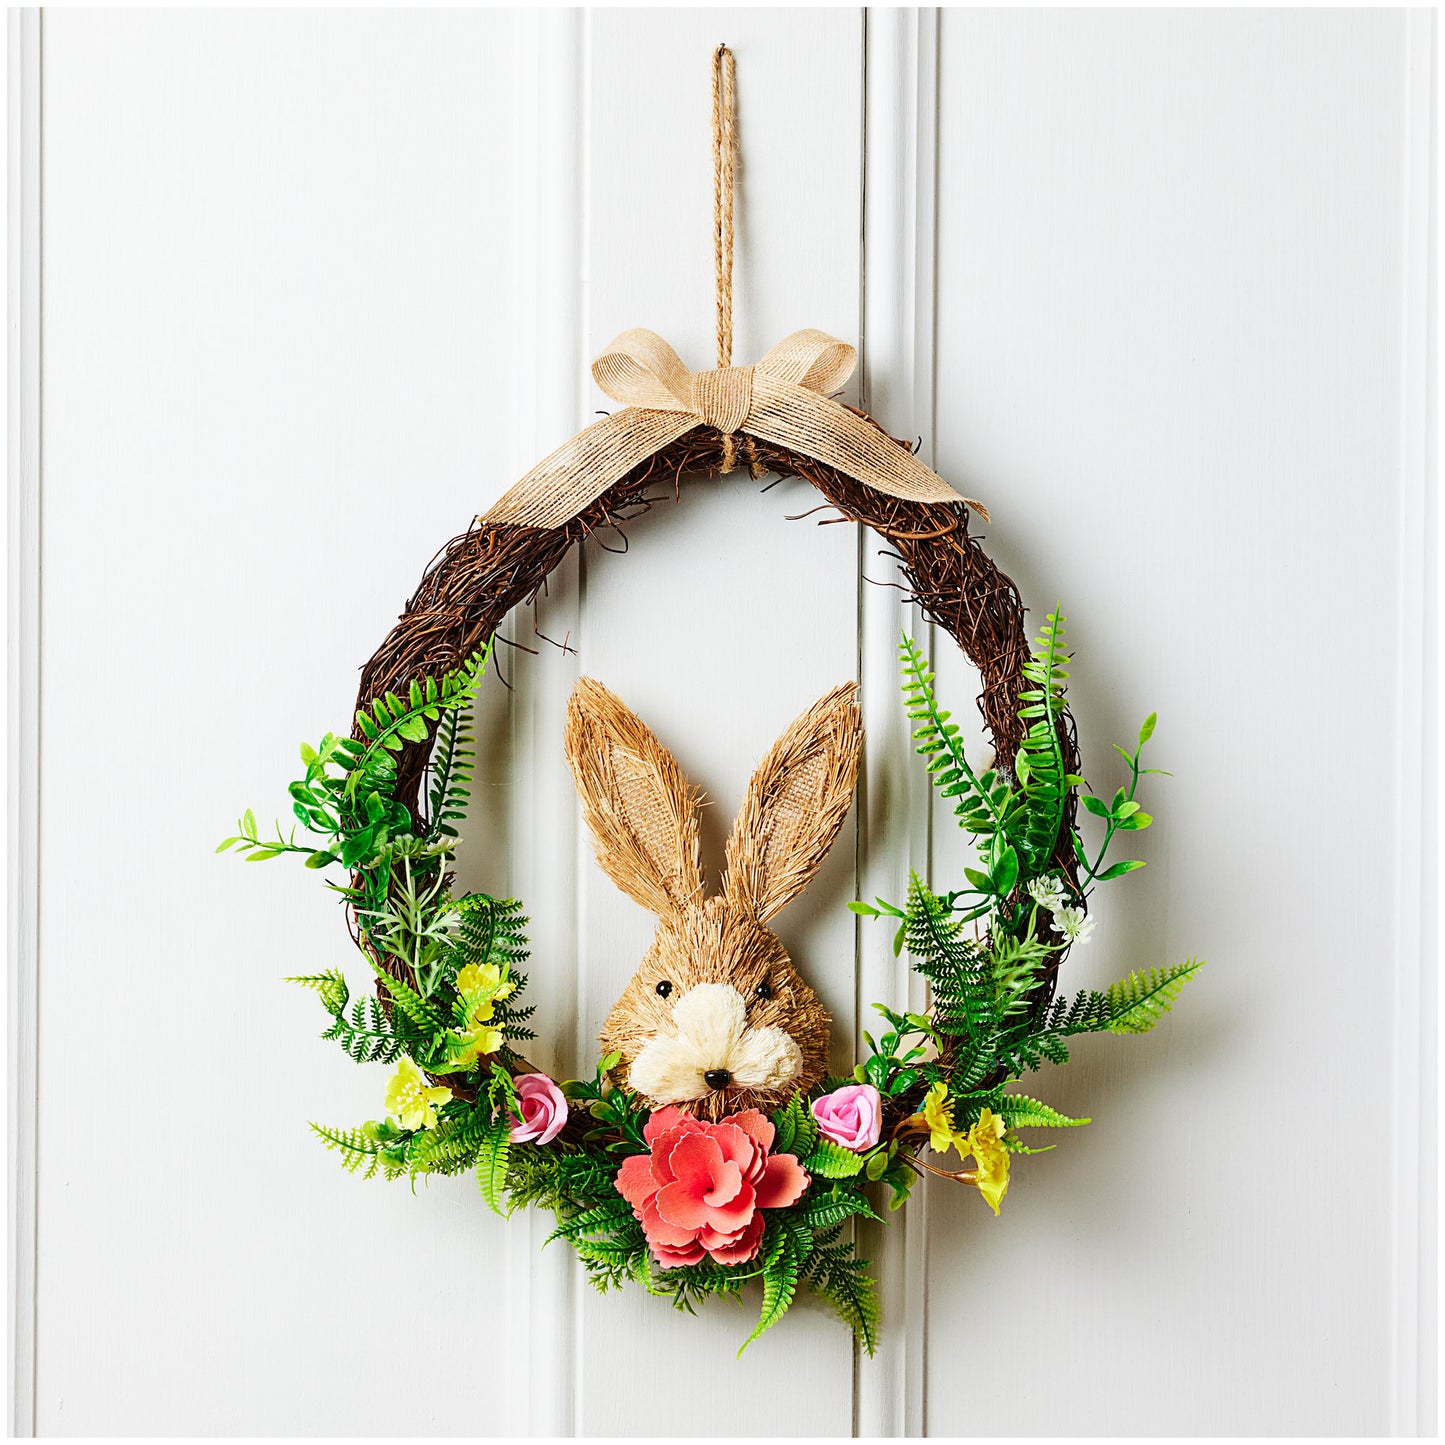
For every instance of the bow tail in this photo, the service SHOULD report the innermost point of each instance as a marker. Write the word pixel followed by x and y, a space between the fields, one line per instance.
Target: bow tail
pixel 579 471
pixel 801 420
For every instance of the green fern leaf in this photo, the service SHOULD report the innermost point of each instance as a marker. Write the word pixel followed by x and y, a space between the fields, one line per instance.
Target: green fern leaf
pixel 836 1274
pixel 413 1005
pixel 980 804
pixel 493 1151
pixel 1138 1002
pixel 603 1217
pixel 1040 764
pixel 780 1282
pixel 447 1148
pixel 331 986
pixel 830 1209
pixel 366 1034
pixel 787 1123
pixel 1020 1111
pixel 832 1161
pixel 359 1152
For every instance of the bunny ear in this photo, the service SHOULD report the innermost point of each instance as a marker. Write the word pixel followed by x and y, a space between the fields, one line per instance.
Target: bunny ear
pixel 641 809
pixel 796 803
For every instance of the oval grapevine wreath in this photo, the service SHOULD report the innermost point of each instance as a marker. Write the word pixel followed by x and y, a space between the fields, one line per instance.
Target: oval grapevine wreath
pixel 711 1148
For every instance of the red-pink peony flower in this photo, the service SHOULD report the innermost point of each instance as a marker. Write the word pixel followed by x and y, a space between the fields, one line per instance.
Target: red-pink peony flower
pixel 544 1110
pixel 702 1190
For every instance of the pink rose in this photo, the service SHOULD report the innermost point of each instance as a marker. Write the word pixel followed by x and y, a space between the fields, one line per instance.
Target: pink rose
pixel 851 1116
pixel 544 1110
pixel 702 1190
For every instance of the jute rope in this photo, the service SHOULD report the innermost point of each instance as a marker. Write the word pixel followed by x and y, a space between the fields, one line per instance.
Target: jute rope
pixel 724 162
pixel 724 156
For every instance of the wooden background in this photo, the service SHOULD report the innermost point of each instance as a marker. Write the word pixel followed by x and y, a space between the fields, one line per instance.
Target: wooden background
pixel 315 287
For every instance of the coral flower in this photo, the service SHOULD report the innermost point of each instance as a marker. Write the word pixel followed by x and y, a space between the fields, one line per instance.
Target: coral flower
pixel 702 1190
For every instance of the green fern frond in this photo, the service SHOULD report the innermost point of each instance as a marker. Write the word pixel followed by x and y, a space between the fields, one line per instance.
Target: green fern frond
pixel 976 987
pixel 1137 1003
pixel 604 1218
pixel 1019 1111
pixel 366 1034
pixel 450 769
pixel 984 803
pixel 836 1274
pixel 797 1130
pixel 832 1161
pixel 605 1251
pixel 331 986
pixel 1133 1005
pixel 391 722
pixel 1040 763
pixel 780 1281
pixel 360 1152
pixel 953 962
pixel 823 1212
pixel 493 1152
pixel 414 1007
pixel 490 930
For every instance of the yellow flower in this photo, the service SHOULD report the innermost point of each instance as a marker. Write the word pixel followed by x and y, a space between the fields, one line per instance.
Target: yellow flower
pixel 466 1049
pixel 985 1143
pixel 942 1136
pixel 486 981
pixel 479 987
pixel 409 1098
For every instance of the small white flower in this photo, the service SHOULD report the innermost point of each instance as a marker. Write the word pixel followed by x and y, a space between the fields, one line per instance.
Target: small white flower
pixel 1047 892
pixel 1073 923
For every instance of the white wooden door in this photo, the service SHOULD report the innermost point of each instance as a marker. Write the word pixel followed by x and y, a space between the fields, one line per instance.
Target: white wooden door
pixel 296 294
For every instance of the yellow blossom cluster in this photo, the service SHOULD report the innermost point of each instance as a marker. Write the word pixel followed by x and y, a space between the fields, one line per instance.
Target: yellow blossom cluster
pixel 984 1141
pixel 480 987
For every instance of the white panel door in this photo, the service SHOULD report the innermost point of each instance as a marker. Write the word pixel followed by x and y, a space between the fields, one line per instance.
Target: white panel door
pixel 1181 295
pixel 319 285
pixel 275 357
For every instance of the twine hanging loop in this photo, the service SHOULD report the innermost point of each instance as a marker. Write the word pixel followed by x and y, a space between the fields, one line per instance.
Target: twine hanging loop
pixel 782 400
pixel 724 161
pixel 724 164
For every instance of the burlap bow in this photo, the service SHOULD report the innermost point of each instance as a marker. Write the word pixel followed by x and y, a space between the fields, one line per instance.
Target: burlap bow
pixel 783 400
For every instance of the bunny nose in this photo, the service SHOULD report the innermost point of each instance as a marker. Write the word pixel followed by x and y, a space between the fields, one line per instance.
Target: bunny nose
pixel 717 1078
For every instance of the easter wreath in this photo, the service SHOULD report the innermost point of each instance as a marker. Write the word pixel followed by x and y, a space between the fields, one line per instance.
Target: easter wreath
pixel 711 1148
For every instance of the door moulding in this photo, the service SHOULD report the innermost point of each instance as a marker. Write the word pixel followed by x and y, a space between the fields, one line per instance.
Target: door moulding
pixel 23 696
pixel 896 345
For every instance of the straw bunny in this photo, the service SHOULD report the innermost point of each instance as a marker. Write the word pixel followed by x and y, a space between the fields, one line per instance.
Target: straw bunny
pixel 716 1019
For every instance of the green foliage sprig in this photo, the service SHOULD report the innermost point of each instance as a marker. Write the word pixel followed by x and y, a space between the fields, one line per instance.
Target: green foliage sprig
pixel 987 949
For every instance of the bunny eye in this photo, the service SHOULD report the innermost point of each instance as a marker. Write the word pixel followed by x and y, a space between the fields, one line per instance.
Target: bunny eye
pixel 663 989
pixel 764 990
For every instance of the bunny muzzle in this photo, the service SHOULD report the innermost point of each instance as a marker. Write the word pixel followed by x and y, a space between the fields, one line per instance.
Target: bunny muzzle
pixel 712 1053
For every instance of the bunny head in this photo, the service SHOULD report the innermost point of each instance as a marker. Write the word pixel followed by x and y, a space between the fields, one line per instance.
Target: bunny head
pixel 717 1019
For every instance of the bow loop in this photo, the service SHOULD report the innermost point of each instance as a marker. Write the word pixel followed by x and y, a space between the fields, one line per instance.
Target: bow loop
pixel 640 369
pixel 813 359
